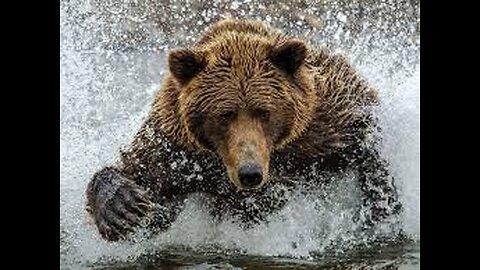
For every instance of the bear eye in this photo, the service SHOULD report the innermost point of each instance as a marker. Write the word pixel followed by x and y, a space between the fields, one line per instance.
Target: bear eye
pixel 262 114
pixel 227 116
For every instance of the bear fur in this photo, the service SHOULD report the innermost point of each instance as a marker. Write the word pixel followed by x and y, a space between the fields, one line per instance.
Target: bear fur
pixel 245 93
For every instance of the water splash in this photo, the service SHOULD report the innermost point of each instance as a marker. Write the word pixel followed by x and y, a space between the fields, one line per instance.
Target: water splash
pixel 112 59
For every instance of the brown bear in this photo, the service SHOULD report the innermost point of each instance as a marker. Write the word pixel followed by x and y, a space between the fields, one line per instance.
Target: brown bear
pixel 245 113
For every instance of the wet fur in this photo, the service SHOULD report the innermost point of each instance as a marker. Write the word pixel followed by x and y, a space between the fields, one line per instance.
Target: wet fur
pixel 320 117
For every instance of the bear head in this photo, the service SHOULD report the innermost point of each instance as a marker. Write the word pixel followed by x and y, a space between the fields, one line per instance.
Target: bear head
pixel 243 97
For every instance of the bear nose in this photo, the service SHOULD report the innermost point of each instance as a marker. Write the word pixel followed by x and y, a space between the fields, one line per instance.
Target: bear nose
pixel 250 175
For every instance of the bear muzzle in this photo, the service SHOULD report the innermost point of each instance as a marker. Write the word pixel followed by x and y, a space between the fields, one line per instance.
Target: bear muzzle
pixel 247 154
pixel 247 170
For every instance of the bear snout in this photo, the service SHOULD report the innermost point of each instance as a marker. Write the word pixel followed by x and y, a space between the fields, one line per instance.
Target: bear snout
pixel 250 175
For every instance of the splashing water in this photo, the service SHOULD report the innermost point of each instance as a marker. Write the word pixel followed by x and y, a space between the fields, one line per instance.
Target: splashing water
pixel 112 61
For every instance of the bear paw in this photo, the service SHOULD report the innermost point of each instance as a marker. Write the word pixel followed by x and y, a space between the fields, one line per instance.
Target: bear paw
pixel 121 208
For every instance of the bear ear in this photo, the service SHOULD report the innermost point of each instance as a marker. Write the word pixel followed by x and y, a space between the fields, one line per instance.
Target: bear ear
pixel 184 64
pixel 289 55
